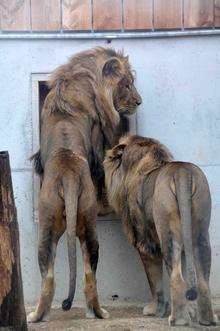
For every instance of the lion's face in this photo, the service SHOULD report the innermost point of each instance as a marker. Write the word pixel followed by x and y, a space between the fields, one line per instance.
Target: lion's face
pixel 120 77
pixel 126 98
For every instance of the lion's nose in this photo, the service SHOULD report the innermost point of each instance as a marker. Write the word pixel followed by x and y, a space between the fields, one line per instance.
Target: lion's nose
pixel 138 102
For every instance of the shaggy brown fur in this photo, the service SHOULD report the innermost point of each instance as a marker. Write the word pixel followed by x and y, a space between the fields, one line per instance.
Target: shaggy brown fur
pixel 165 208
pixel 79 121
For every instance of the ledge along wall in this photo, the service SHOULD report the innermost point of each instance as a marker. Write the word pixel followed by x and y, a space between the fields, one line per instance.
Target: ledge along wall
pixel 179 81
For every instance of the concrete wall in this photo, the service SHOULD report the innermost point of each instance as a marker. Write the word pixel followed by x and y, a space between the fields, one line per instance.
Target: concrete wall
pixel 179 81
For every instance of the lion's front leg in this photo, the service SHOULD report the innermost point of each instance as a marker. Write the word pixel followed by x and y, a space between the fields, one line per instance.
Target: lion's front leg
pixel 154 271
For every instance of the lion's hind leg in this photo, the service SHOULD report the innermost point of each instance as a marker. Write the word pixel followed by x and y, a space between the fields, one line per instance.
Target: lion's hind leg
pixel 51 228
pixel 86 232
pixel 168 226
pixel 90 247
pixel 179 312
pixel 203 265
pixel 172 254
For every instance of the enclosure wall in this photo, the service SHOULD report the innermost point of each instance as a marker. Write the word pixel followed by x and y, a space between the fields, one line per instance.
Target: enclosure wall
pixel 179 81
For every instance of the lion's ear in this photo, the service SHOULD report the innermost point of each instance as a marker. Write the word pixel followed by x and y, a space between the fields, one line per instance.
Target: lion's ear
pixel 118 151
pixel 112 67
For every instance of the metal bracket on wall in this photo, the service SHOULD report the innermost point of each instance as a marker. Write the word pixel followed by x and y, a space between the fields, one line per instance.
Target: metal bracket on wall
pixel 110 35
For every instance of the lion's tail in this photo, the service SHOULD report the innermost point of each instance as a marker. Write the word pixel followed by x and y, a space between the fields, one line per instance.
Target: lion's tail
pixel 183 184
pixel 70 185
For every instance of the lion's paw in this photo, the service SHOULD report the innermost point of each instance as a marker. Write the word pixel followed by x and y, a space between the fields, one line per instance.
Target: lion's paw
pixel 33 317
pixel 214 321
pixel 181 321
pixel 150 309
pixel 105 313
pixel 99 313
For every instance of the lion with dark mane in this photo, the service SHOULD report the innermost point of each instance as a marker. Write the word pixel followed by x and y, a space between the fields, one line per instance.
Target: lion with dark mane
pixel 165 208
pixel 79 121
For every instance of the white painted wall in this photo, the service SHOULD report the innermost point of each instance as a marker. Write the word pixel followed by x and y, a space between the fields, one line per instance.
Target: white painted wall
pixel 179 81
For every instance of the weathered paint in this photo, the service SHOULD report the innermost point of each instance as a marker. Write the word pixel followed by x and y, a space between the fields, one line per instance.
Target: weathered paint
pixel 179 81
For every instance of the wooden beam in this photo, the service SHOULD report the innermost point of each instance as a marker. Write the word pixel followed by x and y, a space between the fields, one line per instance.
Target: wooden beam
pixel 12 311
pixel 138 15
pixel 107 15
pixel 77 15
pixel 167 14
pixel 198 13
pixel 15 15
pixel 45 15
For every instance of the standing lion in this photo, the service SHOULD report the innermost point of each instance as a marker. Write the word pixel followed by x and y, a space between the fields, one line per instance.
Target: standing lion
pixel 79 121
pixel 165 208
